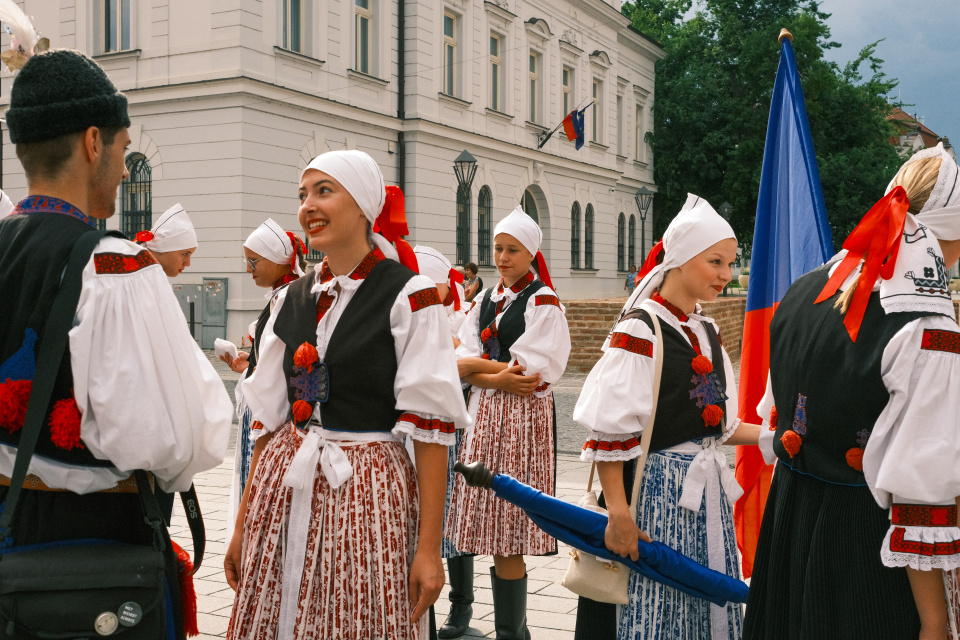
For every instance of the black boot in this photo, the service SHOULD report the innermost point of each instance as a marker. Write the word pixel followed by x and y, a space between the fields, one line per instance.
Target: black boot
pixel 460 570
pixel 509 607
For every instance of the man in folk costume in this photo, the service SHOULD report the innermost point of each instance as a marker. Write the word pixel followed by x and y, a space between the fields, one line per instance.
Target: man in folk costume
pixel 435 266
pixel 134 392
pixel 864 365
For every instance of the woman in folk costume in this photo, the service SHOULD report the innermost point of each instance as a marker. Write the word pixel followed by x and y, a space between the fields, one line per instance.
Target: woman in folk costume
pixel 687 492
pixel 172 240
pixel 274 258
pixel 514 345
pixel 435 266
pixel 340 535
pixel 864 364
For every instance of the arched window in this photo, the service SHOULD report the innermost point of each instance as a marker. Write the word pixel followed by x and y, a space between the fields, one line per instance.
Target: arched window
pixel 463 224
pixel 575 236
pixel 529 206
pixel 632 241
pixel 484 213
pixel 136 202
pixel 621 242
pixel 588 238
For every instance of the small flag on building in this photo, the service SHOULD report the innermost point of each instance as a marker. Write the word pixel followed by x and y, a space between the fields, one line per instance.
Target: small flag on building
pixel 573 127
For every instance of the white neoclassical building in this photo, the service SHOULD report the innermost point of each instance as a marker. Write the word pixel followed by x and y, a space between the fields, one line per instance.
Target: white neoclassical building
pixel 230 99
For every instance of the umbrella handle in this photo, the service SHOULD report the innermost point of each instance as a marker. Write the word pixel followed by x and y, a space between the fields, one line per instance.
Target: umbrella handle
pixel 475 474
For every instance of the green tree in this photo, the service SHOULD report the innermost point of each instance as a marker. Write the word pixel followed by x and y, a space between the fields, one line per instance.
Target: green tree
pixel 713 92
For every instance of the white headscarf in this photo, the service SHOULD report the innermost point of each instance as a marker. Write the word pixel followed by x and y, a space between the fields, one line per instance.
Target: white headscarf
pixel 273 243
pixel 695 229
pixel 941 213
pixel 522 227
pixel 360 175
pixel 173 232
pixel 433 264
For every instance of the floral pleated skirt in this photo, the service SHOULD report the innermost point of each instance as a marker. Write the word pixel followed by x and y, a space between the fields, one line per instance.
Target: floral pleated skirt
pixel 360 545
pixel 512 435
pixel 659 612
pixel 447 547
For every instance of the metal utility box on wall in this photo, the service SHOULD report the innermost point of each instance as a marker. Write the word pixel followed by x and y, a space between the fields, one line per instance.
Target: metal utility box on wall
pixel 213 313
pixel 189 297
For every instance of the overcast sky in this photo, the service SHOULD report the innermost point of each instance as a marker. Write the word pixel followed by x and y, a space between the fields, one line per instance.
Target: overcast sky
pixel 921 49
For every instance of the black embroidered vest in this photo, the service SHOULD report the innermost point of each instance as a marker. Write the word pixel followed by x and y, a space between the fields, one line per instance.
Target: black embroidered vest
pixel 512 324
pixel 827 388
pixel 361 357
pixel 34 249
pixel 679 418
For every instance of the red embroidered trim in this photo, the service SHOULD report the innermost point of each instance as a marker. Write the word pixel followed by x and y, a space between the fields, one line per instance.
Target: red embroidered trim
pixel 632 344
pixel 519 285
pixel 899 545
pixel 617 445
pixel 360 272
pixel 423 299
pixel 324 302
pixel 119 263
pixel 672 308
pixel 287 279
pixel 449 299
pixel 922 515
pixel 542 387
pixel 935 340
pixel 548 299
pixel 427 425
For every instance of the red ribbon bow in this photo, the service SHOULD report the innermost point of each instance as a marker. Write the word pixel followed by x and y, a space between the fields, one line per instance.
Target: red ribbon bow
pixel 144 236
pixel 455 278
pixel 392 225
pixel 876 241
pixel 297 245
pixel 649 263
pixel 542 270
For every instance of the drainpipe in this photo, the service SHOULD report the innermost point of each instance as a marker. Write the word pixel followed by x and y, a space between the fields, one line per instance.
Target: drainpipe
pixel 401 90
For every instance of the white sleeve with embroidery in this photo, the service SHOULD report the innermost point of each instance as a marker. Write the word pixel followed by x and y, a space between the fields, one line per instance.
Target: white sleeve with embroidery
pixel 617 397
pixel 427 386
pixel 265 390
pixel 470 346
pixel 913 449
pixel 149 397
pixel 545 344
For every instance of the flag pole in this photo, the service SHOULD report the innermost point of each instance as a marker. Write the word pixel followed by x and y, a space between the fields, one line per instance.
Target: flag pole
pixel 784 34
pixel 543 137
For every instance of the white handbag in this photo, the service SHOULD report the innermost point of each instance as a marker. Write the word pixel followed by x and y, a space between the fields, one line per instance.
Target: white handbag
pixel 596 578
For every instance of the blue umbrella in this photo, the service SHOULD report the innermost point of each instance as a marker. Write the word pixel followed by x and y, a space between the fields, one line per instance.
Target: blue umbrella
pixel 583 529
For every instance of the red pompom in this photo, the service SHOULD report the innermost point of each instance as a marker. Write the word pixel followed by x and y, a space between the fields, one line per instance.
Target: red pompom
pixel 14 395
pixel 773 419
pixel 855 458
pixel 712 415
pixel 302 410
pixel 306 356
pixel 702 365
pixel 65 424
pixel 144 236
pixel 188 595
pixel 485 335
pixel 485 356
pixel 791 441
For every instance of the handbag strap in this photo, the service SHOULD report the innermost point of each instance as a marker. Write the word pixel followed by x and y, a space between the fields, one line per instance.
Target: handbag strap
pixel 648 429
pixel 49 356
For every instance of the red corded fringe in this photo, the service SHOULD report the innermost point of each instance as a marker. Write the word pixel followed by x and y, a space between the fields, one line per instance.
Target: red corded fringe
pixel 14 395
pixel 188 595
pixel 791 441
pixel 305 356
pixel 773 419
pixel 712 415
pixel 702 365
pixel 855 458
pixel 65 424
pixel 302 410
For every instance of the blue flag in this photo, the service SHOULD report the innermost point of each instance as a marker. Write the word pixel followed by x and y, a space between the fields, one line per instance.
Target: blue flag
pixel 791 237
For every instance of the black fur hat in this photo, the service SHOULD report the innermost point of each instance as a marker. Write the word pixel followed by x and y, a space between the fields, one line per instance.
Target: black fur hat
pixel 60 92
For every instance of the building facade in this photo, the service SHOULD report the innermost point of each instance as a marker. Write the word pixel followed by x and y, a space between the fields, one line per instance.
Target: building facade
pixel 230 99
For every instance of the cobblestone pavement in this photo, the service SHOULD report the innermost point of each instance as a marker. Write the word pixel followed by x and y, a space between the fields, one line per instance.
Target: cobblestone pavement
pixel 551 609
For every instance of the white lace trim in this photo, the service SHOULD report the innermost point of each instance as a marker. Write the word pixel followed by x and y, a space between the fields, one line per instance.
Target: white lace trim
pixel 592 454
pixel 431 436
pixel 920 562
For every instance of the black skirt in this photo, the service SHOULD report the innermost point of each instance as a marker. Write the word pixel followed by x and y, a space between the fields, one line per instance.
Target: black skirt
pixel 818 572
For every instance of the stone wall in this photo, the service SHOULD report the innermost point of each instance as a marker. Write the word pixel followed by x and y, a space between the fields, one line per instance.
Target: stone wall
pixel 591 320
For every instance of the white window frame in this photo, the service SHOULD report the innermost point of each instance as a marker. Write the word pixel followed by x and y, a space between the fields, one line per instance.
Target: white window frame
pixel 496 73
pixel 619 125
pixel 290 30
pixel 124 9
pixel 535 60
pixel 568 84
pixel 450 54
pixel 596 133
pixel 360 15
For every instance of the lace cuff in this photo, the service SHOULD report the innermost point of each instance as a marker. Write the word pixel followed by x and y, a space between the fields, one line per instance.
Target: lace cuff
pixel 432 430
pixel 610 447
pixel 921 548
